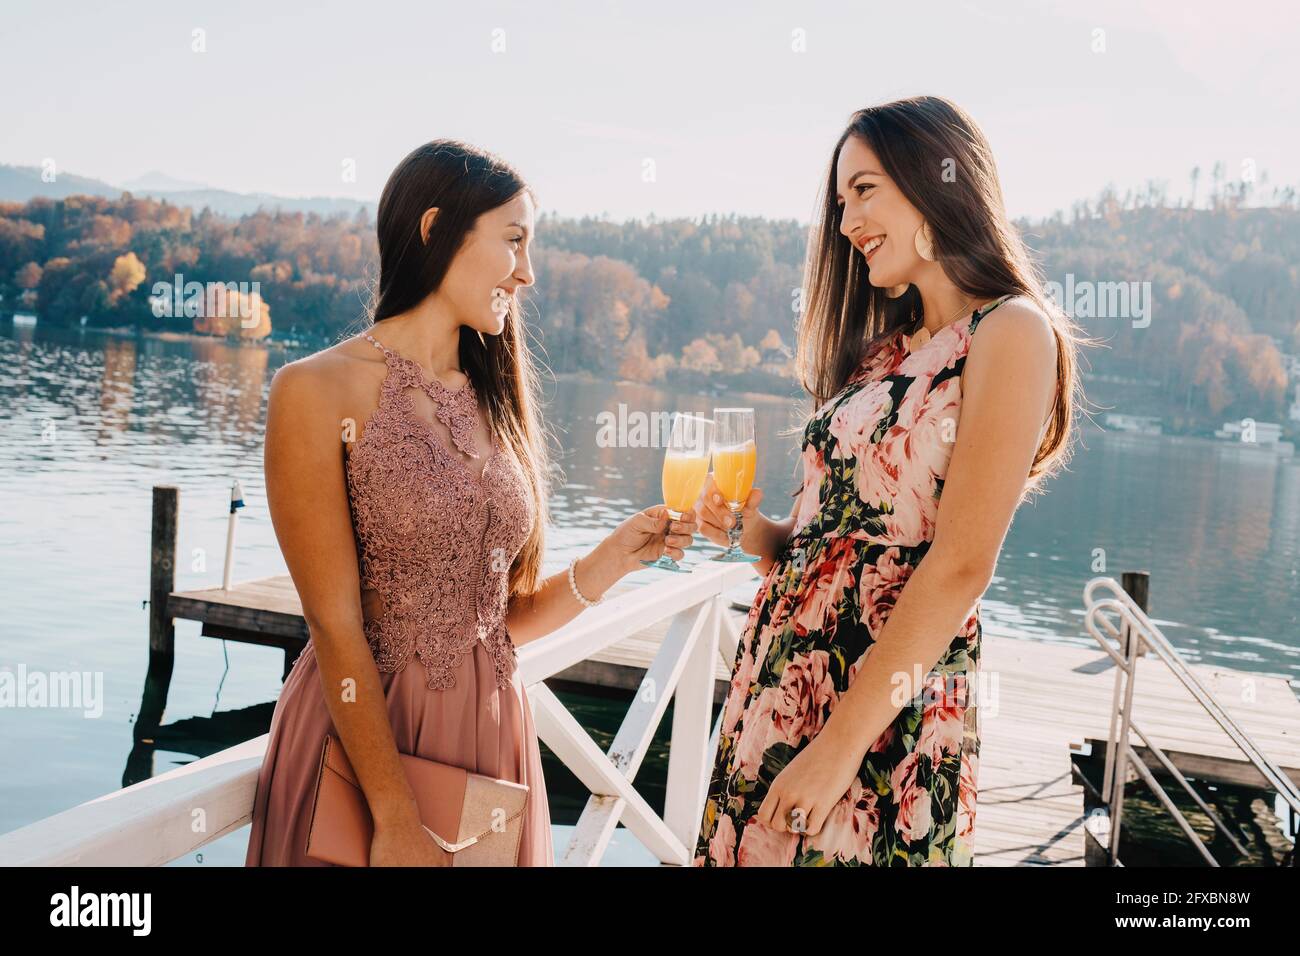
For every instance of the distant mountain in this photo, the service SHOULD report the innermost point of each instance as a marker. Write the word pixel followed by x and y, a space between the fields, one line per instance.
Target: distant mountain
pixel 231 204
pixel 157 180
pixel 21 183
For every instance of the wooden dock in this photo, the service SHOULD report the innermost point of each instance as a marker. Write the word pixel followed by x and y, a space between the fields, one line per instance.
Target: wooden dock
pixel 1040 701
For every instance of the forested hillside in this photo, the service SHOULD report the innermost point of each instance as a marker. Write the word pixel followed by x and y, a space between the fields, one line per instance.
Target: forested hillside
pixel 694 300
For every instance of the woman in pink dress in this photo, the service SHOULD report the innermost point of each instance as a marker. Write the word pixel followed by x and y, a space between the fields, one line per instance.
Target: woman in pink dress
pixel 406 475
pixel 942 382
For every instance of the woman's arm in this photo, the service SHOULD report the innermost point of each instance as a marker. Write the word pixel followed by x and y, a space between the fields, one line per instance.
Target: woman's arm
pixel 307 498
pixel 776 535
pixel 640 537
pixel 1007 387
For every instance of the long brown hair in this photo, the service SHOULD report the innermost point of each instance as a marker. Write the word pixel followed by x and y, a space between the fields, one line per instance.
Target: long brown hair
pixel 918 140
pixel 464 182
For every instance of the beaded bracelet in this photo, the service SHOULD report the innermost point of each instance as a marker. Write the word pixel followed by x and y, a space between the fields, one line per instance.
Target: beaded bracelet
pixel 573 586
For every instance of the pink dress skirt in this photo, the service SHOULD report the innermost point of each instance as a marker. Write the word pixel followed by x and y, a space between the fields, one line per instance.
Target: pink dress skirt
pixel 474 725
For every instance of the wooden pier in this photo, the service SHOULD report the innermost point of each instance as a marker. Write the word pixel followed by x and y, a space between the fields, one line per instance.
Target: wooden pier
pixel 1041 702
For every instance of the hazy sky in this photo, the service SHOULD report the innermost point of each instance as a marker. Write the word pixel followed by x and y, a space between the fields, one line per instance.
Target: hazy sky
pixel 583 94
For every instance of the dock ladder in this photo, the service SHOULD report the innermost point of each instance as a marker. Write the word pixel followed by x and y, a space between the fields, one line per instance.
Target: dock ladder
pixel 1111 615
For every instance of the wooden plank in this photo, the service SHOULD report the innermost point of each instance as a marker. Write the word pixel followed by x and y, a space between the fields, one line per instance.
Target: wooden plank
pixel 268 606
pixel 251 637
pixel 1240 772
pixel 1061 684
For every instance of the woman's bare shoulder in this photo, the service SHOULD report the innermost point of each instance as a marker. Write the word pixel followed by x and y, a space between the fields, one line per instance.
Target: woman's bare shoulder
pixel 334 377
pixel 1017 328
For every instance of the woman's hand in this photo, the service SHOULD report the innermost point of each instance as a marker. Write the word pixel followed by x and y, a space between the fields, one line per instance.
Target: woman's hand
pixel 811 784
pixel 646 535
pixel 406 845
pixel 716 518
pixel 640 538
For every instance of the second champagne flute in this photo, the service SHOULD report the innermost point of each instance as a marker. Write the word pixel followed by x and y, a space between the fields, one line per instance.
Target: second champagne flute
pixel 686 466
pixel 735 457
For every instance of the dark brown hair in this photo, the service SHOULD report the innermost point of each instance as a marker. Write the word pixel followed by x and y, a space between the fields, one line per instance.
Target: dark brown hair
pixel 464 182
pixel 917 141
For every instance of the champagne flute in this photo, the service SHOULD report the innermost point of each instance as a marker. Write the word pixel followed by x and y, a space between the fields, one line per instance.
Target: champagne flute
pixel 735 457
pixel 686 466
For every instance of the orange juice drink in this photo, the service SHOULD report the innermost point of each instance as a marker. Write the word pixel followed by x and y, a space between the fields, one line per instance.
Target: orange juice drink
pixel 733 471
pixel 684 477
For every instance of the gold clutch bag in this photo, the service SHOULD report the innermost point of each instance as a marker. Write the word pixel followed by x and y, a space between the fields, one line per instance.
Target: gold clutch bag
pixel 476 818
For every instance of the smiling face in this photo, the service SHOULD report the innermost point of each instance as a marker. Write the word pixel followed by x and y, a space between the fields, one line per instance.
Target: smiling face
pixel 490 266
pixel 876 217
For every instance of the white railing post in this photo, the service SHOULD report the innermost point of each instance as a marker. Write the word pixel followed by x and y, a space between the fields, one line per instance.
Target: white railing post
pixel 689 759
pixel 613 772
pixel 613 798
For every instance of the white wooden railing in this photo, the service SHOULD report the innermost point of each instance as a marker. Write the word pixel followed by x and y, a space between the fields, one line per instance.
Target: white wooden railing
pixel 174 814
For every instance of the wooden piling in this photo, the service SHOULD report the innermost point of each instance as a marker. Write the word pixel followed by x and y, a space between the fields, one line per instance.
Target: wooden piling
pixel 1137 585
pixel 162 626
pixel 162 569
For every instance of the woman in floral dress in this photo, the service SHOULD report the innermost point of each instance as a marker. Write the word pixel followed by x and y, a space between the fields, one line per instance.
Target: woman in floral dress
pixel 944 385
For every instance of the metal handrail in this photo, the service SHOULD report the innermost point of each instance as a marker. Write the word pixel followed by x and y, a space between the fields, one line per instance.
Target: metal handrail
pixel 1139 631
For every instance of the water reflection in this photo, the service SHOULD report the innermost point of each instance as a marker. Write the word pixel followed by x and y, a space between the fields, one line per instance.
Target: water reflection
pixel 91 422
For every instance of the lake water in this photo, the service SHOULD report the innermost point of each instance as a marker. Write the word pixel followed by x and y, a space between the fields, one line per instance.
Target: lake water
pixel 89 423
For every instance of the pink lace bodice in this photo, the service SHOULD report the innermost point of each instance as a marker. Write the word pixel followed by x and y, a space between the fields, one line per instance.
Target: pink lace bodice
pixel 434 538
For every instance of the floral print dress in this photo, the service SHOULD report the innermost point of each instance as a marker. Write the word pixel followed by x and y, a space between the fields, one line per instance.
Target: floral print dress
pixel 874 460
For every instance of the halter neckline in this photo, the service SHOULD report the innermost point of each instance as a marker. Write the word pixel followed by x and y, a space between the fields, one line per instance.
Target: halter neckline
pixel 457 408
pixel 393 353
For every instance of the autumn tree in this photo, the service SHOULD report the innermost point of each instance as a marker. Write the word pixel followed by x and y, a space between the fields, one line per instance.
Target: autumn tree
pixel 28 276
pixel 128 272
